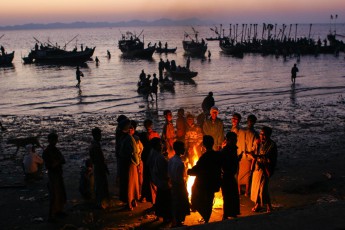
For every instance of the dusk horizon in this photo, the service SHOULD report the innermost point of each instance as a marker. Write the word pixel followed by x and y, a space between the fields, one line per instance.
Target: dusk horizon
pixel 20 12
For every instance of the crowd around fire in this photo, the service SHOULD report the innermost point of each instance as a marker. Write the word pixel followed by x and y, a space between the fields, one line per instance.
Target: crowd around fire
pixel 153 167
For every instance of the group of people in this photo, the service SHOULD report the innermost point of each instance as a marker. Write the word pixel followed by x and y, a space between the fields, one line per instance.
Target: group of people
pixel 148 86
pixel 161 163
pixel 154 167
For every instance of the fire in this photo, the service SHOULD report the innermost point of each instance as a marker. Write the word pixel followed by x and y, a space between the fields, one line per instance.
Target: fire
pixel 191 162
pixel 218 198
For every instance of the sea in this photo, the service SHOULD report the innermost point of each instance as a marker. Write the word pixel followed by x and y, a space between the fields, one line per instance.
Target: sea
pixel 238 83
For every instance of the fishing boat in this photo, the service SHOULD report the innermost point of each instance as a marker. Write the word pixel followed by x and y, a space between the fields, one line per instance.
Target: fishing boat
pixel 49 53
pixel 6 59
pixel 229 47
pixel 56 55
pixel 193 46
pixel 132 47
pixel 166 50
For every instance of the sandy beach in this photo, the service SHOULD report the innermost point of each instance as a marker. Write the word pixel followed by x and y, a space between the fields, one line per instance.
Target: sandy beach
pixel 307 190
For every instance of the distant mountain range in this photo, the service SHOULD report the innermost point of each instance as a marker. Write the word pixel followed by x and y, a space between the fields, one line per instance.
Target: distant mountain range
pixel 74 25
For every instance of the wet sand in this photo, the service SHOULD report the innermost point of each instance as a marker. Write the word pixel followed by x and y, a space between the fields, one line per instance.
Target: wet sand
pixel 308 188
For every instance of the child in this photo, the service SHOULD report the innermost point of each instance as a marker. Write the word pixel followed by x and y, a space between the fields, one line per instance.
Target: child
pixel 32 163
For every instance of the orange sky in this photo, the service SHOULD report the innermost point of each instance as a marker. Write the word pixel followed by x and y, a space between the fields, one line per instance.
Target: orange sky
pixel 15 12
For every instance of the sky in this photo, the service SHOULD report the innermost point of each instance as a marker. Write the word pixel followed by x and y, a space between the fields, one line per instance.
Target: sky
pixel 18 12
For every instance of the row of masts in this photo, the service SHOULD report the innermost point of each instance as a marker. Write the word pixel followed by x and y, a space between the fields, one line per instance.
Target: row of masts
pixel 249 32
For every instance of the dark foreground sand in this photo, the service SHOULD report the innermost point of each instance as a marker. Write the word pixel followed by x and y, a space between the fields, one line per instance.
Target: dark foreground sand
pixel 308 188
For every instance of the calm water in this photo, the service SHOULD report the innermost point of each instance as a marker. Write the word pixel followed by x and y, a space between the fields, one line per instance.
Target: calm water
pixel 111 87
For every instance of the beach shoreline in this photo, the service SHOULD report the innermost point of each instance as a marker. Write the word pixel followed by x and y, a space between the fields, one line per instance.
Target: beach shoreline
pixel 310 175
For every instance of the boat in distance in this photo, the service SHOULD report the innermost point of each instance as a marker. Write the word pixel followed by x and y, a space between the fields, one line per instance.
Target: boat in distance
pixel 193 46
pixel 132 47
pixel 52 54
pixel 166 50
pixel 6 59
pixel 182 74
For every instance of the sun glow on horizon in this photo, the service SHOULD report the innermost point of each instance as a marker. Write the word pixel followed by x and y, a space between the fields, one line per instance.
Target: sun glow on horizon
pixel 42 11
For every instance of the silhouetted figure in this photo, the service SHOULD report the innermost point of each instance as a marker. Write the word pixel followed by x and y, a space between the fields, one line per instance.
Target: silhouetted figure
pixel 207 181
pixel 78 74
pixel 142 76
pixel 54 161
pixel 2 50
pixel 207 103
pixel 160 44
pixel 188 62
pixel 160 69
pixel 154 87
pixel 97 61
pixel 294 71
pixel 176 171
pixel 209 55
pixel 166 45
pixel 108 54
pixel 230 165
pixel 100 169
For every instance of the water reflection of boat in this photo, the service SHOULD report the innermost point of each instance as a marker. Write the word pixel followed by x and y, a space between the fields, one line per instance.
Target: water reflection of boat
pixel 6 59
pixel 132 47
pixel 194 47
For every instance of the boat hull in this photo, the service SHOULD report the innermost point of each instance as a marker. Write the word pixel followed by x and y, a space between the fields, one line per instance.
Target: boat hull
pixel 166 50
pixel 183 74
pixel 194 48
pixel 6 59
pixel 59 56
pixel 139 53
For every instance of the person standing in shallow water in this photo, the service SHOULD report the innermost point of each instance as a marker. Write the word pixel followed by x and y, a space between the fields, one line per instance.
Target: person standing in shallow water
pixel 294 71
pixel 78 74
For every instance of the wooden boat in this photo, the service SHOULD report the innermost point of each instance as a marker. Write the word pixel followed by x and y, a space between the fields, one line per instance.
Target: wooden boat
pixel 230 48
pixel 183 73
pixel 6 59
pixel 52 54
pixel 132 47
pixel 166 50
pixel 193 46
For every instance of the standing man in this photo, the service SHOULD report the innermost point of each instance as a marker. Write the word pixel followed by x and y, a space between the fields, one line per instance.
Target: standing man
pixel 207 181
pixel 247 143
pixel 207 103
pixel 54 161
pixel 188 62
pixel 160 69
pixel 214 127
pixel 78 73
pixel 100 169
pixel 294 71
